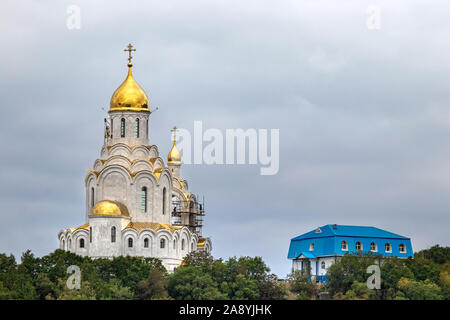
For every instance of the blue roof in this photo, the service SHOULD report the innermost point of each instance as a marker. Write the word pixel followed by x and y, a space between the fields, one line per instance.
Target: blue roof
pixel 327 240
pixel 349 231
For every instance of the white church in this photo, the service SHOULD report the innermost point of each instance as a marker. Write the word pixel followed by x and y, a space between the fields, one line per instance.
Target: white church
pixel 136 205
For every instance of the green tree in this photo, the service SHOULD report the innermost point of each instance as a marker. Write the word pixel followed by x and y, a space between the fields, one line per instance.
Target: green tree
pixel 419 290
pixel 154 287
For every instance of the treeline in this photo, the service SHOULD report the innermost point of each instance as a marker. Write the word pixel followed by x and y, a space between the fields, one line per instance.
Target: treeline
pixel 426 277
pixel 201 277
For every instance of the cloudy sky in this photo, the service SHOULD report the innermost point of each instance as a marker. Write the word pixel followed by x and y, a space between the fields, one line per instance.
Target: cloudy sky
pixel 363 113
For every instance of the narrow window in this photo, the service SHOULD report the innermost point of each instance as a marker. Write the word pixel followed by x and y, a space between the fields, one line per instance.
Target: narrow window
pixel 164 200
pixel 344 246
pixel 130 242
pixel 137 128
pixel 311 246
pixel 182 244
pixel 70 244
pixel 373 247
pixel 63 245
pixel 402 248
pixel 92 197
pixel 162 243
pixel 90 234
pixel 322 264
pixel 113 234
pixel 146 128
pixel 81 243
pixel 144 199
pixel 112 128
pixel 192 247
pixel 174 244
pixel 122 128
pixel 387 247
pixel 358 246
pixel 146 243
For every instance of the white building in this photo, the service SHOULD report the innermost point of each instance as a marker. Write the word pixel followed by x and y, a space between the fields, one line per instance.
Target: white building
pixel 136 205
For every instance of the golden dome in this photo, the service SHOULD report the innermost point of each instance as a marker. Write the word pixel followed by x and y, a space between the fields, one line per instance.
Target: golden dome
pixel 110 208
pixel 174 156
pixel 129 96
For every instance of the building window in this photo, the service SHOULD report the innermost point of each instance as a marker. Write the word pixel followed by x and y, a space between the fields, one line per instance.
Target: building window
pixel 81 243
pixel 92 197
pixel 174 244
pixel 112 128
pixel 387 247
pixel 402 248
pixel 144 199
pixel 344 246
pixel 182 244
pixel 192 247
pixel 358 246
pixel 146 243
pixel 137 128
pixel 70 244
pixel 322 264
pixel 164 200
pixel 130 242
pixel 122 128
pixel 113 234
pixel 90 234
pixel 146 128
pixel 311 246
pixel 162 243
pixel 373 247
pixel 63 245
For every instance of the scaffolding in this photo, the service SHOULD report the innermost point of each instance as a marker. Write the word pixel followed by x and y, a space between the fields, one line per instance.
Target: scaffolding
pixel 190 216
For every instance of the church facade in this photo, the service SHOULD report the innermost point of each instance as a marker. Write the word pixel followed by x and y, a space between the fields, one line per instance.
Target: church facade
pixel 136 204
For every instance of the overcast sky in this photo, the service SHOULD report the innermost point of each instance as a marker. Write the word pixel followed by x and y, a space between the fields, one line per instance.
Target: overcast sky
pixel 364 114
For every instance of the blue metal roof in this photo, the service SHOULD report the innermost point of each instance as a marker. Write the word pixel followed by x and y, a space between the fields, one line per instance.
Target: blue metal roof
pixel 327 241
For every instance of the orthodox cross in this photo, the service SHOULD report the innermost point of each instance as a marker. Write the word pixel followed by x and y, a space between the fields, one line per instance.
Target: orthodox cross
pixel 174 130
pixel 130 48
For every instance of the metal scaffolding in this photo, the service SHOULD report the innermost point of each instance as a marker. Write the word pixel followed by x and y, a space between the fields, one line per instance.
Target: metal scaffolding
pixel 188 216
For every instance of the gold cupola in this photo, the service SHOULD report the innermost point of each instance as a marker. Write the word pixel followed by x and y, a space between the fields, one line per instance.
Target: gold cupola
pixel 174 156
pixel 110 208
pixel 129 96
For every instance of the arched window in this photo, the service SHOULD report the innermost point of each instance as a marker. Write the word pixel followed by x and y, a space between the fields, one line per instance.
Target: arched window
pixel 358 246
pixel 174 244
pixel 113 234
pixel 182 244
pixel 322 264
pixel 144 199
pixel 92 197
pixel 387 247
pixel 146 128
pixel 311 246
pixel 70 244
pixel 63 245
pixel 137 128
pixel 112 128
pixel 130 242
pixel 373 247
pixel 344 246
pixel 162 243
pixel 122 128
pixel 164 200
pixel 146 243
pixel 81 243
pixel 402 248
pixel 90 234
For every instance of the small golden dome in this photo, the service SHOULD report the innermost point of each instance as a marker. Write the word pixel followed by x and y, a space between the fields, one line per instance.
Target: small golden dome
pixel 174 155
pixel 129 96
pixel 110 208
